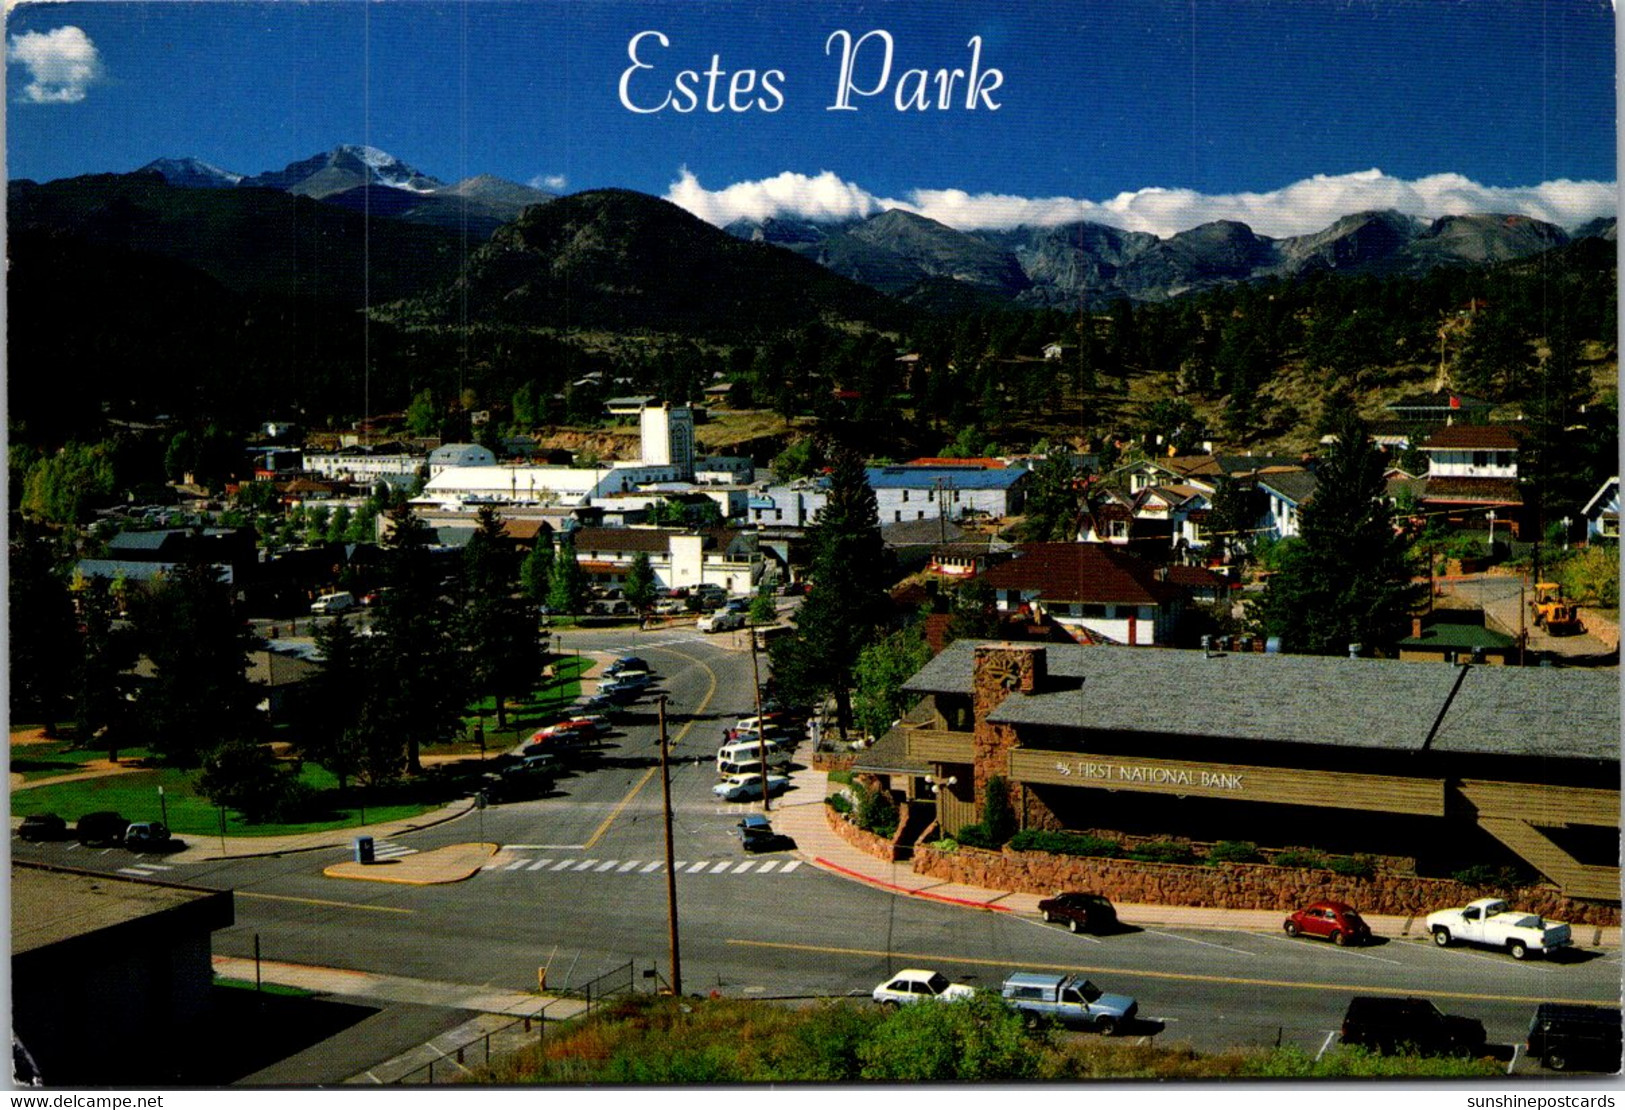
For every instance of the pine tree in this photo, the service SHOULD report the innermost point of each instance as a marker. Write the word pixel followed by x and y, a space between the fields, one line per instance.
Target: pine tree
pixel 639 586
pixel 536 572
pixel 847 601
pixel 566 585
pixel 1347 579
pixel 498 629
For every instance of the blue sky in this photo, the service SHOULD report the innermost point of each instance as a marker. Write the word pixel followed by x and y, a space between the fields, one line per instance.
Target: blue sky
pixel 1138 112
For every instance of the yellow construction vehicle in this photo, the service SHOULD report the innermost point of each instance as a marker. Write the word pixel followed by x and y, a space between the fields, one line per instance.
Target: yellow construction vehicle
pixel 1551 612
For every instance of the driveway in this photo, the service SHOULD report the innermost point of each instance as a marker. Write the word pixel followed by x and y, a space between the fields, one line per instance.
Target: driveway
pixel 1505 601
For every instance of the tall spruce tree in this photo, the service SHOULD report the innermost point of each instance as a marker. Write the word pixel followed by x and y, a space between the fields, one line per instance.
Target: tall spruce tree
pixel 847 602
pixel 1347 579
pixel 498 628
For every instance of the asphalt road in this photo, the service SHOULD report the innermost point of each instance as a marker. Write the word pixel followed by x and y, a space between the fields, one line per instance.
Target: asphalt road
pixel 581 890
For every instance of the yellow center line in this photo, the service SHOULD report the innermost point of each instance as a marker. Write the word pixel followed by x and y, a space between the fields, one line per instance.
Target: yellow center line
pixel 924 959
pixel 682 732
pixel 320 902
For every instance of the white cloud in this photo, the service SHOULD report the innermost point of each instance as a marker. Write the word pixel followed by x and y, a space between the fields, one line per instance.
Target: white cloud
pixel 1297 209
pixel 553 182
pixel 61 63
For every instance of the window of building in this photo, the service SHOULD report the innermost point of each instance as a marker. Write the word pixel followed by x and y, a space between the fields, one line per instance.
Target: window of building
pixel 905 495
pixel 1481 458
pixel 897 516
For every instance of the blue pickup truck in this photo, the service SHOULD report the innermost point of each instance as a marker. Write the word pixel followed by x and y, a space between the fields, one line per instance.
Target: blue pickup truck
pixel 1068 1000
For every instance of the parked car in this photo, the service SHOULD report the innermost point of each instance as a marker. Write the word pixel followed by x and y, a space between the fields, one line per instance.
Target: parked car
pixel 1491 922
pixel 626 663
pixel 150 836
pixel 1564 1036
pixel 777 757
pixel 721 621
pixel 736 605
pixel 1386 1024
pixel 1080 911
pixel 1069 1000
pixel 101 829
pixel 919 985
pixel 748 787
pixel 621 689
pixel 42 826
pixel 337 602
pixel 1337 922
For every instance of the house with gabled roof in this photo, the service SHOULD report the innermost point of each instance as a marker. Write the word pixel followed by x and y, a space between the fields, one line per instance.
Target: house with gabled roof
pixel 1092 589
pixel 1286 491
pixel 723 557
pixel 1602 512
pixel 1472 472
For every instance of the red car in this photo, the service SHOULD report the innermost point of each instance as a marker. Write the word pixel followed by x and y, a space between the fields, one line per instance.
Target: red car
pixel 1337 922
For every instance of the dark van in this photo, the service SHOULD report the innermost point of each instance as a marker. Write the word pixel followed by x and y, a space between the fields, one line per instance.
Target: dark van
pixel 1563 1036
pixel 1384 1024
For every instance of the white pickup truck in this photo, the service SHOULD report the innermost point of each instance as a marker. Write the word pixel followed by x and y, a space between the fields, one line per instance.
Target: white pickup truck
pixel 1493 923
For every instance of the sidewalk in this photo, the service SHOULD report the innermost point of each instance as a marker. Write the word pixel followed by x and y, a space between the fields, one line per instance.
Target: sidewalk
pixel 800 815
pixel 204 849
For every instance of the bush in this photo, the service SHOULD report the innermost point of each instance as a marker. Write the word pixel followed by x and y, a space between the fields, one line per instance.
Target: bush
pixel 840 803
pixel 876 812
pixel 1492 878
pixel 1163 851
pixel 977 1040
pixel 1235 851
pixel 1355 867
pixel 976 836
pixel 1299 857
pixel 1063 843
pixel 997 817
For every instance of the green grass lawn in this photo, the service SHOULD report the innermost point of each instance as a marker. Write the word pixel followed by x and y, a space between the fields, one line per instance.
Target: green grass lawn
pixel 135 796
pixel 59 757
pixel 542 706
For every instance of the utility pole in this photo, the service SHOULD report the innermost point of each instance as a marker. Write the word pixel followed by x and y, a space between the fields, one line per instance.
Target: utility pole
pixel 761 725
pixel 671 874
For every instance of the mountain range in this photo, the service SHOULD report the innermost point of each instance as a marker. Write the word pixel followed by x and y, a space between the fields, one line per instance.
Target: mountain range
pixel 909 256
pixel 929 264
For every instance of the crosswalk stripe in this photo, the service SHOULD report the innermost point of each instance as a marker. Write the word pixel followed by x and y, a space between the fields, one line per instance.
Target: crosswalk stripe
pixel 516 865
pixel 648 867
pixel 538 865
pixel 628 865
pixel 622 867
pixel 723 866
pixel 584 865
pixel 607 865
pixel 746 866
pixel 790 865
pixel 767 865
pixel 701 866
pixel 563 864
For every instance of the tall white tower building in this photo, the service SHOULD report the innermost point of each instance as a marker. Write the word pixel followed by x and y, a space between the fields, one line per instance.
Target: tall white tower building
pixel 668 438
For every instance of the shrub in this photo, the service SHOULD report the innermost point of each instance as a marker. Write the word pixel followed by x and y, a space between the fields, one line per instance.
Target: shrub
pixel 1356 867
pixel 1063 843
pixel 976 836
pixel 876 812
pixel 841 803
pixel 1235 851
pixel 997 817
pixel 1493 878
pixel 1163 851
pixel 1299 857
pixel 978 1040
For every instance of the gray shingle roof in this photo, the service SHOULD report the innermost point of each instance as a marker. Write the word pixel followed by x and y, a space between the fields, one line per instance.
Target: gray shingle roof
pixel 1305 699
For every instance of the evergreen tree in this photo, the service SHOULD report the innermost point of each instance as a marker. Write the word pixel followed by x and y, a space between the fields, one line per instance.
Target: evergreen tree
pixel 1051 510
pixel 101 672
pixel 847 601
pixel 198 697
pixel 567 586
pixel 1347 580
pixel 334 698
pixel 536 572
pixel 639 586
pixel 43 641
pixel 499 629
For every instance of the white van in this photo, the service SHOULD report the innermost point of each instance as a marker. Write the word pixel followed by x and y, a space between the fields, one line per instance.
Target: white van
pixel 333 603
pixel 777 757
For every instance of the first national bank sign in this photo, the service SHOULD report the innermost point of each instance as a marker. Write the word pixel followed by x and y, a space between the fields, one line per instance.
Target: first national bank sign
pixel 1142 775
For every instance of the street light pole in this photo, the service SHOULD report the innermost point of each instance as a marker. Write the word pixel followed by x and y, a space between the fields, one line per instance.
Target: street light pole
pixel 671 872
pixel 761 725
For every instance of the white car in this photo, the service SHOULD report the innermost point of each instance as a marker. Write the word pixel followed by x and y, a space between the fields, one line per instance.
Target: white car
pixel 1493 923
pixel 721 621
pixel 748 787
pixel 915 984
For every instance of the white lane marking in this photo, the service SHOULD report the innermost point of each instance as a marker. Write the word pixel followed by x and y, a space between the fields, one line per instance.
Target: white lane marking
pixel 1329 944
pixel 516 865
pixel 584 865
pixel 135 871
pixel 1045 926
pixel 722 866
pixel 538 865
pixel 157 866
pixel 791 866
pixel 563 863
pixel 628 865
pixel 767 865
pixel 608 865
pixel 701 866
pixel 1517 1047
pixel 542 847
pixel 1327 1043
pixel 1203 943
pixel 746 866
pixel 648 867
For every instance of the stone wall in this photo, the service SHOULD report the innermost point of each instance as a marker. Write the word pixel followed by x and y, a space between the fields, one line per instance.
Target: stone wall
pixel 865 841
pixel 1232 886
pixel 1602 624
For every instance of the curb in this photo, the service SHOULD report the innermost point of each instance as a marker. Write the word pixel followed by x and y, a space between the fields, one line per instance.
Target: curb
pixel 910 891
pixel 337 844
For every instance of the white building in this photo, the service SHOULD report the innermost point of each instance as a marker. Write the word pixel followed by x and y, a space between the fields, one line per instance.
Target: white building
pixel 523 484
pixel 459 454
pixel 720 557
pixel 364 467
pixel 668 438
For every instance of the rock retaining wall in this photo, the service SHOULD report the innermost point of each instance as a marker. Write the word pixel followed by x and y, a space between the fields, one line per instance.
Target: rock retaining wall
pixel 865 841
pixel 1230 885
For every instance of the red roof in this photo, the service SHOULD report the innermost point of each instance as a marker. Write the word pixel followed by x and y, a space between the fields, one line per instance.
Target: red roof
pixel 1472 437
pixel 1080 572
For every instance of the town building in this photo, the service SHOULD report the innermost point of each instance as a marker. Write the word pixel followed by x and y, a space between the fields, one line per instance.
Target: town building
pixel 1473 476
pixel 918 492
pixel 1097 592
pixel 1602 512
pixel 680 560
pixel 1449 766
